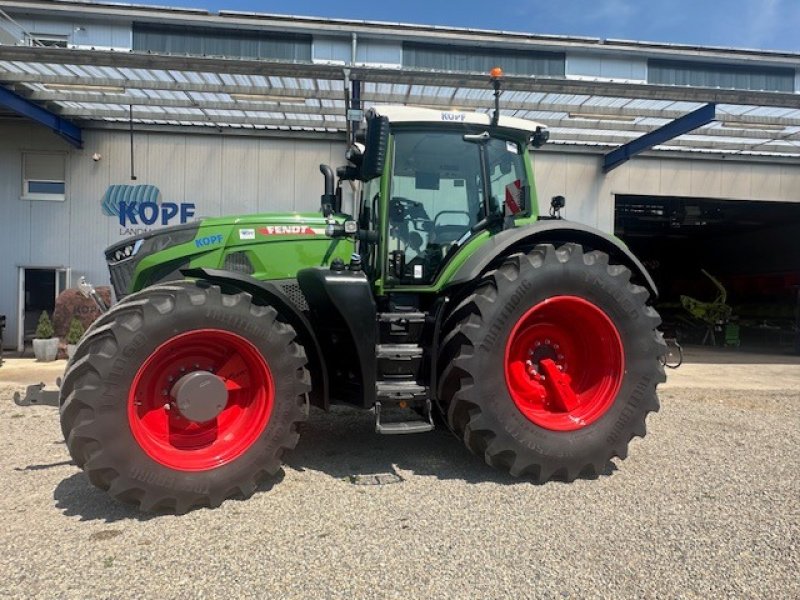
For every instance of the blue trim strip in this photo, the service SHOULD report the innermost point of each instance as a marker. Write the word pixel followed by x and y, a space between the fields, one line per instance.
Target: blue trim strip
pixel 689 122
pixel 66 129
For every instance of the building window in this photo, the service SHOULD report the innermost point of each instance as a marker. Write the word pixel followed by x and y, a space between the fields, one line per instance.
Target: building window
pixel 228 43
pixel 46 39
pixel 480 60
pixel 44 176
pixel 715 75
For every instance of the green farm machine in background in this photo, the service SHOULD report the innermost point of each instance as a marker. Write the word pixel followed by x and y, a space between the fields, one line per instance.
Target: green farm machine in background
pixel 446 297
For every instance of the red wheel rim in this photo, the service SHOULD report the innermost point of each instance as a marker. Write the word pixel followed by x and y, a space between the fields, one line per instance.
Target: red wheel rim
pixel 166 435
pixel 564 363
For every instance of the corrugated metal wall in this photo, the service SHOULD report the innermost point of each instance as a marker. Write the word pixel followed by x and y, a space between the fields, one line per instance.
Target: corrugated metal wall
pixel 81 32
pixel 220 174
pixel 241 174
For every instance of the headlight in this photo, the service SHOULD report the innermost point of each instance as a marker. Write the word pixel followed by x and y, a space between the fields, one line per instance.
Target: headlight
pixel 127 251
pixel 153 242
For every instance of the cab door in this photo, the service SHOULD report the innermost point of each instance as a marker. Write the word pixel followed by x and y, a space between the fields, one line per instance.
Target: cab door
pixel 441 187
pixel 435 196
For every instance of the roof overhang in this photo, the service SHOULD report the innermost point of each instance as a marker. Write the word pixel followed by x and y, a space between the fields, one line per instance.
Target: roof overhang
pixel 98 88
pixel 30 110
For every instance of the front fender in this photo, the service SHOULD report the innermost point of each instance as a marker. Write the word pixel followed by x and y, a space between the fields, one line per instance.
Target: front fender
pixel 549 231
pixel 272 294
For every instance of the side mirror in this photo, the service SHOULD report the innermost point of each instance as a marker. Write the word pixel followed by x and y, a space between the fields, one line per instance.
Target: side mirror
pixel 328 199
pixel 539 137
pixel 556 204
pixel 355 154
pixel 377 142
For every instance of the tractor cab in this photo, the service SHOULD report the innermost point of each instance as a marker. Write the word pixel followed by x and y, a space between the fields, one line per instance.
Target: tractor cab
pixel 434 180
pixel 447 177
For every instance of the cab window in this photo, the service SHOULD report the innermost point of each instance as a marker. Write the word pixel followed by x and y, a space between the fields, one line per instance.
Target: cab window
pixel 435 198
pixel 507 176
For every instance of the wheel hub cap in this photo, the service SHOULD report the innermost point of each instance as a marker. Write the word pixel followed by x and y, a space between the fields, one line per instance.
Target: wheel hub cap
pixel 200 396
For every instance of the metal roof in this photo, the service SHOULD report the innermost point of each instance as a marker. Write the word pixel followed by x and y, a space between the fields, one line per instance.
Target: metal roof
pixel 328 25
pixel 101 88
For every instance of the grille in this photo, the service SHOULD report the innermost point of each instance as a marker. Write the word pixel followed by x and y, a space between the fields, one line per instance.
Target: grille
pixel 294 293
pixel 238 262
pixel 121 275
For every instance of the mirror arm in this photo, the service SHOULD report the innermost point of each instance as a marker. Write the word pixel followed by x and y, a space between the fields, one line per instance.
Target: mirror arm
pixel 488 222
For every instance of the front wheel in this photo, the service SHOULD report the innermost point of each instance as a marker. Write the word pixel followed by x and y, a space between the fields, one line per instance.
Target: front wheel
pixel 183 396
pixel 551 363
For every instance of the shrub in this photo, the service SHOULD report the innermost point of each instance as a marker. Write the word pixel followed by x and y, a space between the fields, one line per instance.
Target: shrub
pixel 44 328
pixel 75 332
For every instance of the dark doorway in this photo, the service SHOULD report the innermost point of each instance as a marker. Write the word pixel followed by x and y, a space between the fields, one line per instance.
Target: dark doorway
pixel 39 295
pixel 752 249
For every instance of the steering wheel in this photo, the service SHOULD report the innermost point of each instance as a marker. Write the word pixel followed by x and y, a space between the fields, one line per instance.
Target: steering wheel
pixel 401 209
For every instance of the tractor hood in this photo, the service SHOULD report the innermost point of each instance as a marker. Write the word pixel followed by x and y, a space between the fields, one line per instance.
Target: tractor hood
pixel 265 246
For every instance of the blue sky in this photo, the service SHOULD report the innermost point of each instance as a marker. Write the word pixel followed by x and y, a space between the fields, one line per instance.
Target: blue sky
pixel 763 24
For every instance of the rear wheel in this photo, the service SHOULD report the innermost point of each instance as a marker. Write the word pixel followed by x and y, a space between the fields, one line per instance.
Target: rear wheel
pixel 551 364
pixel 183 396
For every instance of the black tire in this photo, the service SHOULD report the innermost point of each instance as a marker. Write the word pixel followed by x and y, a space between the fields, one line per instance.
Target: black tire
pixel 94 395
pixel 473 387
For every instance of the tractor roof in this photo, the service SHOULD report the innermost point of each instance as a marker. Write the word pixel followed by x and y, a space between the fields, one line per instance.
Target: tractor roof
pixel 413 114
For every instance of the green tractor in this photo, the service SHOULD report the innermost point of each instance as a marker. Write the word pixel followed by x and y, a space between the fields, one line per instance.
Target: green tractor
pixel 446 298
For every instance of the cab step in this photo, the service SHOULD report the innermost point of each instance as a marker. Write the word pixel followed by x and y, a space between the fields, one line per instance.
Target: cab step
pixel 400 327
pixel 393 392
pixel 402 395
pixel 399 361
pixel 416 425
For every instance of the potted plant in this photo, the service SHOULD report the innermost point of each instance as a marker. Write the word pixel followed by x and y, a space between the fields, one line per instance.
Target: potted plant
pixel 74 335
pixel 45 344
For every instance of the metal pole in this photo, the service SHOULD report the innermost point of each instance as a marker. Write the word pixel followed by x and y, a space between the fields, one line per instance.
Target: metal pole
pixel 130 128
pixel 355 113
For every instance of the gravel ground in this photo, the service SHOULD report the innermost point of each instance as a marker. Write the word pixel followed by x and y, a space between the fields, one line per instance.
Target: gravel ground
pixel 708 505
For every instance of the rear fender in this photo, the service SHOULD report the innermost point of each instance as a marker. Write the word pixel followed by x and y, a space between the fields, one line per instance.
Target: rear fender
pixel 554 232
pixel 272 295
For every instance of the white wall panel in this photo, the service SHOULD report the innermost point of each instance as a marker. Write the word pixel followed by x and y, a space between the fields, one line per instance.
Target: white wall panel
pixel 14 232
pixel 326 49
pixel 643 177
pixel 276 175
pixel 379 52
pixel 705 180
pixel 765 182
pixel 166 163
pixel 203 174
pixel 591 66
pixel 790 183
pixel 88 228
pixel 583 187
pixel 550 171
pixel 239 175
pixel 675 178
pixel 308 182
pixel 735 180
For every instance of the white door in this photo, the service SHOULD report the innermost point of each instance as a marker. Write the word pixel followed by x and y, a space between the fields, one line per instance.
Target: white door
pixel 63 277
